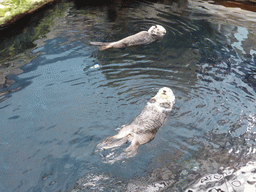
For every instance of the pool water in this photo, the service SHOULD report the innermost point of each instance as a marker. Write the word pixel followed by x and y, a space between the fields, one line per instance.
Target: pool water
pixel 61 96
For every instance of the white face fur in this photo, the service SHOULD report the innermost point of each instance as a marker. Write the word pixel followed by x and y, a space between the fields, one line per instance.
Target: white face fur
pixel 157 30
pixel 165 94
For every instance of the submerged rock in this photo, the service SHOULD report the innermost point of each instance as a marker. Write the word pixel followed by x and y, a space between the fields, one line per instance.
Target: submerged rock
pixel 242 179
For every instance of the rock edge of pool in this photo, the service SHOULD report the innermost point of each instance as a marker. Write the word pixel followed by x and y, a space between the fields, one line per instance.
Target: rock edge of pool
pixel 13 10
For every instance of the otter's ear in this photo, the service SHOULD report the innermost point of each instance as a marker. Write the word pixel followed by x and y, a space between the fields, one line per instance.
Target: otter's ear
pixel 152 100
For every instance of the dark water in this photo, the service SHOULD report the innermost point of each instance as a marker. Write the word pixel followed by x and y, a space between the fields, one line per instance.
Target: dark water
pixel 64 97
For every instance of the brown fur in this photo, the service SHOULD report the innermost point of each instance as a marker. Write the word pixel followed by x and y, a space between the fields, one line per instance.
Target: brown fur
pixel 144 37
pixel 145 125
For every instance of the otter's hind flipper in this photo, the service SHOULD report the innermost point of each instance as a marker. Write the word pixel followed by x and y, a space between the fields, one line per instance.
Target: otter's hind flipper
pixel 103 47
pixel 131 151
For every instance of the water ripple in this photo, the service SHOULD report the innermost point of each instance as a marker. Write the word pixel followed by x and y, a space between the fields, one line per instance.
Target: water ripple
pixel 71 96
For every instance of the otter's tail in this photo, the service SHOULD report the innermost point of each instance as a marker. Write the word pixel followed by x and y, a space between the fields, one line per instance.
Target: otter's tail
pixel 112 142
pixel 103 45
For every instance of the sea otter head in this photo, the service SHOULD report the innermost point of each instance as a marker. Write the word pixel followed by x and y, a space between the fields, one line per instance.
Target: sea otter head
pixel 164 98
pixel 157 30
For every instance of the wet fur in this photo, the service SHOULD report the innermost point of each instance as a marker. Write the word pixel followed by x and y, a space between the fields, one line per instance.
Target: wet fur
pixel 144 127
pixel 143 37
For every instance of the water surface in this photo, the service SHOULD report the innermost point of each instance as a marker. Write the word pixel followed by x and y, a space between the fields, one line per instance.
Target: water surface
pixel 64 96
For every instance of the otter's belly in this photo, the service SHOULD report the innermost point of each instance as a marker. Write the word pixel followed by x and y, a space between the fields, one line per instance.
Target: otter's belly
pixel 140 38
pixel 149 120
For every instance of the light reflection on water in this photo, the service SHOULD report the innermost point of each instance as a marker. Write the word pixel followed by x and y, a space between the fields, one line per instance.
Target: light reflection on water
pixel 71 96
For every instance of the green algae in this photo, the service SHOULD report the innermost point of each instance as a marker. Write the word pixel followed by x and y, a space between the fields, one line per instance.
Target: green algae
pixel 12 10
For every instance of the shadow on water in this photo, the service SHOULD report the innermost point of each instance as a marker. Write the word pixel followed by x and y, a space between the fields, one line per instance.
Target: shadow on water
pixel 17 41
pixel 64 97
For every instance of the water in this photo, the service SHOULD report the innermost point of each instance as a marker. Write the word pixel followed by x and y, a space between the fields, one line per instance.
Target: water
pixel 63 97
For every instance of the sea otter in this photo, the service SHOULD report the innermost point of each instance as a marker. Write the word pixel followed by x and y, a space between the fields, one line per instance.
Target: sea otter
pixel 155 33
pixel 145 125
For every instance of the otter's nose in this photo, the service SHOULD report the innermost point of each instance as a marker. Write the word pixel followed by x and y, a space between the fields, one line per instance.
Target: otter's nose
pixel 164 92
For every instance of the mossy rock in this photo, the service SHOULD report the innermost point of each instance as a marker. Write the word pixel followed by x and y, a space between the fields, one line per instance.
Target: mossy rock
pixel 3 10
pixel 12 10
